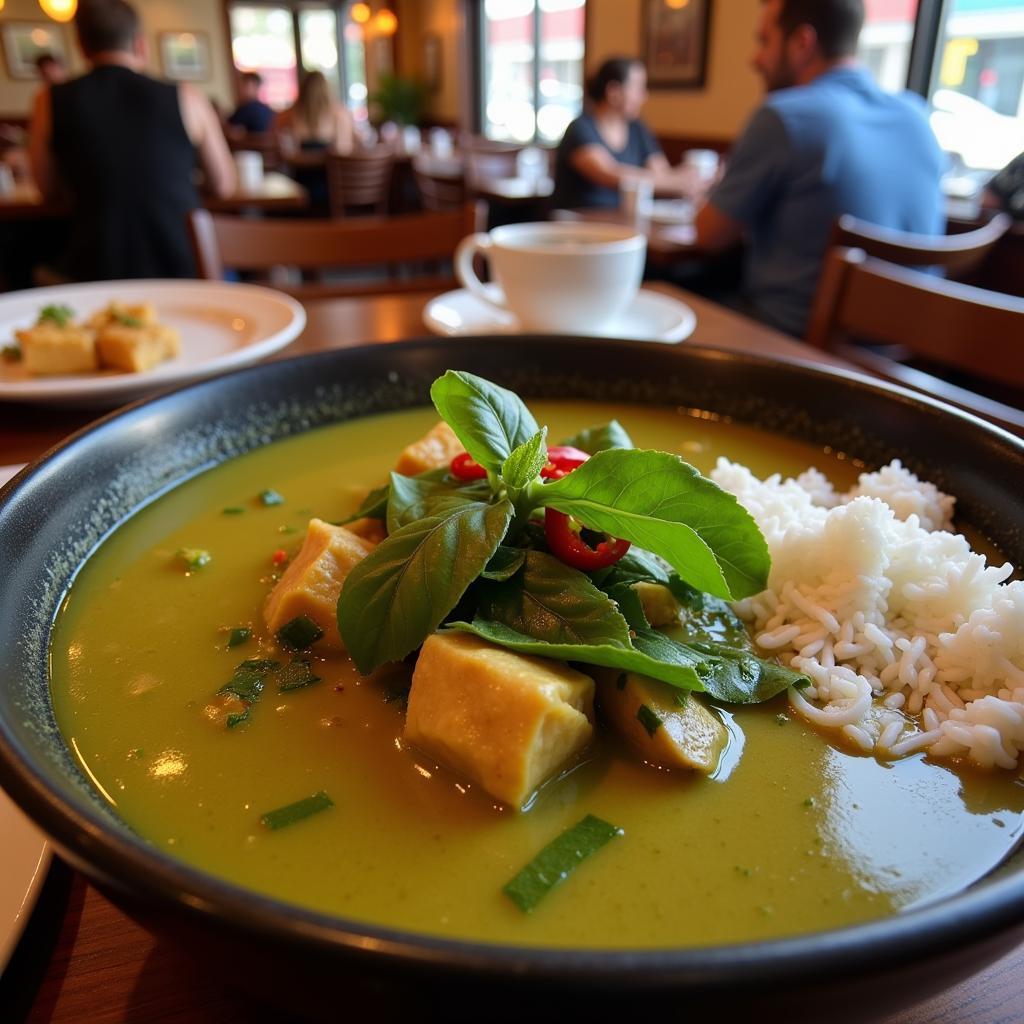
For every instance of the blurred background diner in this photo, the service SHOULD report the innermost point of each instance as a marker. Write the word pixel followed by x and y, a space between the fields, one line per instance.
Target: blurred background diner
pixel 734 137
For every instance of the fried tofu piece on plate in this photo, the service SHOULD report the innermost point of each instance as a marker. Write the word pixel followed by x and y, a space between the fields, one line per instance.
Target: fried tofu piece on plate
pixel 311 584
pixel 135 349
pixel 49 349
pixel 504 720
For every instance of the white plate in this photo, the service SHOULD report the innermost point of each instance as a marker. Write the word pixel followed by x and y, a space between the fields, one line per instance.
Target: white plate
pixel 24 859
pixel 651 316
pixel 222 325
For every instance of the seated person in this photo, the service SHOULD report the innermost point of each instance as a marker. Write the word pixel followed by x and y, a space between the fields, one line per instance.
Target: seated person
pixel 251 114
pixel 51 69
pixel 1006 190
pixel 316 123
pixel 608 142
pixel 123 147
pixel 825 141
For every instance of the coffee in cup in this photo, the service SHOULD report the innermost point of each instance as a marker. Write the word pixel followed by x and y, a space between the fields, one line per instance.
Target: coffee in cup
pixel 563 277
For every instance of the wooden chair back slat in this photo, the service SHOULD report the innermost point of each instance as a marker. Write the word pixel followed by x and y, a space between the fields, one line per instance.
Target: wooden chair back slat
pixel 359 180
pixel 243 244
pixel 943 323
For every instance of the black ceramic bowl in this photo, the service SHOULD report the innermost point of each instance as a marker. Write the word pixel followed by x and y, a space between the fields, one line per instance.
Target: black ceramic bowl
pixel 56 512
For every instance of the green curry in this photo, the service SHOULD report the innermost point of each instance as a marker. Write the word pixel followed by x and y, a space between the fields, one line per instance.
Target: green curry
pixel 790 836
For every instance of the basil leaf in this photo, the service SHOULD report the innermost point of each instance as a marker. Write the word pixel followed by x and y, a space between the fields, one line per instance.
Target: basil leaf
pixel 526 462
pixel 599 439
pixel 708 618
pixel 490 421
pixel 397 596
pixel 414 497
pixel 663 504
pixel 630 605
pixel 505 563
pixel 375 504
pixel 609 655
pixel 552 602
pixel 637 566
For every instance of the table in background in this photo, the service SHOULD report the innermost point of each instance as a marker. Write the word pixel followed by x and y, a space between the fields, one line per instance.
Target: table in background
pixel 100 966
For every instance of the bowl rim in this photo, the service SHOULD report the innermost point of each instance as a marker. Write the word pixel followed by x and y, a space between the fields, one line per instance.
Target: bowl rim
pixel 133 868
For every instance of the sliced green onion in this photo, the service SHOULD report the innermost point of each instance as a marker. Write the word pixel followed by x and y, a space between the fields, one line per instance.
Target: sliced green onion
pixel 232 510
pixel 295 675
pixel 194 558
pixel 239 635
pixel 302 632
pixel 271 497
pixel 128 321
pixel 56 314
pixel 557 860
pixel 648 719
pixel 292 813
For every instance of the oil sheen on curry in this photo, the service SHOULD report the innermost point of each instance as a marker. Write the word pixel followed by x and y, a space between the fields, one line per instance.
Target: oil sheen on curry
pixel 420 793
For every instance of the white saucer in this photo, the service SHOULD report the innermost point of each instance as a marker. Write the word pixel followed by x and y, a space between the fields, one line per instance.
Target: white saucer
pixel 651 316
pixel 25 858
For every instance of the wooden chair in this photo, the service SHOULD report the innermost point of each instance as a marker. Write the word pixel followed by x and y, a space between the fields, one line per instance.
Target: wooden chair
pixel 957 253
pixel 264 143
pixel 394 243
pixel 440 187
pixel 937 326
pixel 360 181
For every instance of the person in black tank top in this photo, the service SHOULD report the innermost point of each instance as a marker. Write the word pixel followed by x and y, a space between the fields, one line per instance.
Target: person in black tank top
pixel 123 153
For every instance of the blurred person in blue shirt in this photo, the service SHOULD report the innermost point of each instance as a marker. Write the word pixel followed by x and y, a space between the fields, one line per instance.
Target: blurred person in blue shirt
pixel 826 141
pixel 251 114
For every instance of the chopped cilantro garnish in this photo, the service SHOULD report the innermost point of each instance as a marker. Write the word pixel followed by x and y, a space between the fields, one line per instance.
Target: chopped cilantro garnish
pixel 128 321
pixel 299 634
pixel 194 558
pixel 11 353
pixel 239 635
pixel 271 497
pixel 56 314
pixel 557 860
pixel 295 675
pixel 292 813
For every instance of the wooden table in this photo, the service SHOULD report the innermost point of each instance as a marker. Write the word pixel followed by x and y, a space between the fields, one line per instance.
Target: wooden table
pixel 83 960
pixel 276 192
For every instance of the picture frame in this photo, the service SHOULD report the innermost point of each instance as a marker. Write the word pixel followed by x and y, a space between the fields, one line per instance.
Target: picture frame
pixel 24 41
pixel 675 35
pixel 184 55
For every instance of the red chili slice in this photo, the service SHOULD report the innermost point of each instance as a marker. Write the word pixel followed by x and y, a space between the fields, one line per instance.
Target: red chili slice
pixel 465 467
pixel 567 545
pixel 562 459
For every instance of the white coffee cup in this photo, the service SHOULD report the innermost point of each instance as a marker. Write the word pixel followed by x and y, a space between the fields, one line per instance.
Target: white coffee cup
pixel 635 197
pixel 249 167
pixel 564 277
pixel 703 161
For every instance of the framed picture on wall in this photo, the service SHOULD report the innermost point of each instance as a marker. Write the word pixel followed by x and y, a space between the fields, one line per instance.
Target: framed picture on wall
pixel 184 56
pixel 675 42
pixel 25 41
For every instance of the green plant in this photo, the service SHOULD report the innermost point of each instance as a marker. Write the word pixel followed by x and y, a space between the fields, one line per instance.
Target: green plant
pixel 399 99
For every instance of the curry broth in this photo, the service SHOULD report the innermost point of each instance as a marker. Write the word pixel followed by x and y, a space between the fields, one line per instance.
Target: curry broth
pixel 799 837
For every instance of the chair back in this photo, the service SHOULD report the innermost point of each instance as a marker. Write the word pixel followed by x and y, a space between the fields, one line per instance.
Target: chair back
pixel 493 161
pixel 264 143
pixel 359 181
pixel 973 335
pixel 957 253
pixel 261 246
pixel 441 186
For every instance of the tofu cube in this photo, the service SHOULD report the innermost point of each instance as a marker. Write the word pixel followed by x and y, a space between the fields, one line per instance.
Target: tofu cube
pixel 311 584
pixel 505 721
pixel 436 448
pixel 648 714
pixel 48 349
pixel 136 349
pixel 144 313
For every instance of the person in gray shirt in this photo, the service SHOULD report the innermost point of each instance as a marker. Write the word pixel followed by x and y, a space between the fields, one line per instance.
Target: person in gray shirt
pixel 825 141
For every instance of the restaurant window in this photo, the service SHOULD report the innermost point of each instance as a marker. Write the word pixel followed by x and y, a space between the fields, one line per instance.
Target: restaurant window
pixel 977 83
pixel 532 68
pixel 886 40
pixel 275 39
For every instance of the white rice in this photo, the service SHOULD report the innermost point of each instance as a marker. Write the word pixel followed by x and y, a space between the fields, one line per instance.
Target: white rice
pixel 910 639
